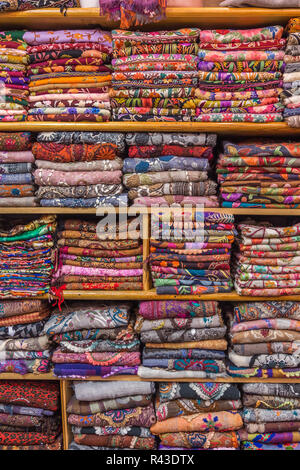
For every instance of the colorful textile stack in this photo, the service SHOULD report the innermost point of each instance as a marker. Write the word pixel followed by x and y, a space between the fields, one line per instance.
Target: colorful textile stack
pixel 24 348
pixel 16 181
pixel 170 169
pixel 26 250
pixel 155 75
pixel 112 415
pixel 69 80
pixel 291 78
pixel 21 5
pixel 79 169
pixel 191 255
pixel 240 75
pixel 95 254
pixel 183 339
pixel 198 416
pixel 94 339
pixel 14 82
pixel 260 173
pixel 265 340
pixel 271 416
pixel 268 262
pixel 132 12
pixel 29 415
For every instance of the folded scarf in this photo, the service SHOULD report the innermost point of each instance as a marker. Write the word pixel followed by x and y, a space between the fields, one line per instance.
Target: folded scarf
pixel 209 440
pixel 140 416
pixel 219 421
pixel 235 36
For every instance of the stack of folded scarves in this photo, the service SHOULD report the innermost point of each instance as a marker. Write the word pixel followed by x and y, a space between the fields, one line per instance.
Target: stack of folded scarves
pixel 170 168
pixel 112 415
pixel 183 339
pixel 90 258
pixel 198 416
pixel 24 348
pixel 271 416
pixel 21 5
pixel 79 169
pixel 240 75
pixel 26 250
pixel 14 82
pixel 69 78
pixel 93 339
pixel 155 75
pixel 267 262
pixel 260 173
pixel 29 415
pixel 16 181
pixel 264 340
pixel 191 258
pixel 291 78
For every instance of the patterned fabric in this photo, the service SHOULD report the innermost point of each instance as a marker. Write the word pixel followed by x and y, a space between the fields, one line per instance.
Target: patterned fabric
pixel 17 5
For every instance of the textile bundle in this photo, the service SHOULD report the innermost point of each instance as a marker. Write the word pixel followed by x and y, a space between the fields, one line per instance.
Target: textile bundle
pixel 183 339
pixel 260 173
pixel 24 348
pixel 264 339
pixel 16 167
pixel 191 255
pixel 13 79
pixel 69 75
pixel 267 262
pixel 26 249
pixel 271 417
pixel 133 12
pixel 97 255
pixel 291 78
pixel 198 416
pixel 93 339
pixel 155 75
pixel 79 169
pixel 170 168
pixel 112 415
pixel 21 5
pixel 29 415
pixel 240 75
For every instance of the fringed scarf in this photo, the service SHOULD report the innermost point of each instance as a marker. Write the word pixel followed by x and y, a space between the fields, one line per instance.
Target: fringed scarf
pixel 133 12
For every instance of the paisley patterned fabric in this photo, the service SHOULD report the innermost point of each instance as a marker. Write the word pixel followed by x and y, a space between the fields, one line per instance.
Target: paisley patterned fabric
pixel 146 60
pixel 240 62
pixel 72 73
pixel 119 418
pixel 213 246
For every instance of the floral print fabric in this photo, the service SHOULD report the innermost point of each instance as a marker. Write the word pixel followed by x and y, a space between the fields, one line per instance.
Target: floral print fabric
pixel 111 422
pixel 245 172
pixel 239 62
pixel 68 73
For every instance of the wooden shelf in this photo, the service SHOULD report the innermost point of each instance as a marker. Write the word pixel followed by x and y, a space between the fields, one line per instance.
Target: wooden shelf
pixel 135 211
pixel 135 378
pixel 151 295
pixel 175 18
pixel 225 128
pixel 13 376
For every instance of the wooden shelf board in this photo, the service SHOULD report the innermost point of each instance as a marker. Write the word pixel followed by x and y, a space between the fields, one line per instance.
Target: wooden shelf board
pixel 134 211
pixel 175 18
pixel 13 376
pixel 151 295
pixel 133 378
pixel 225 128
